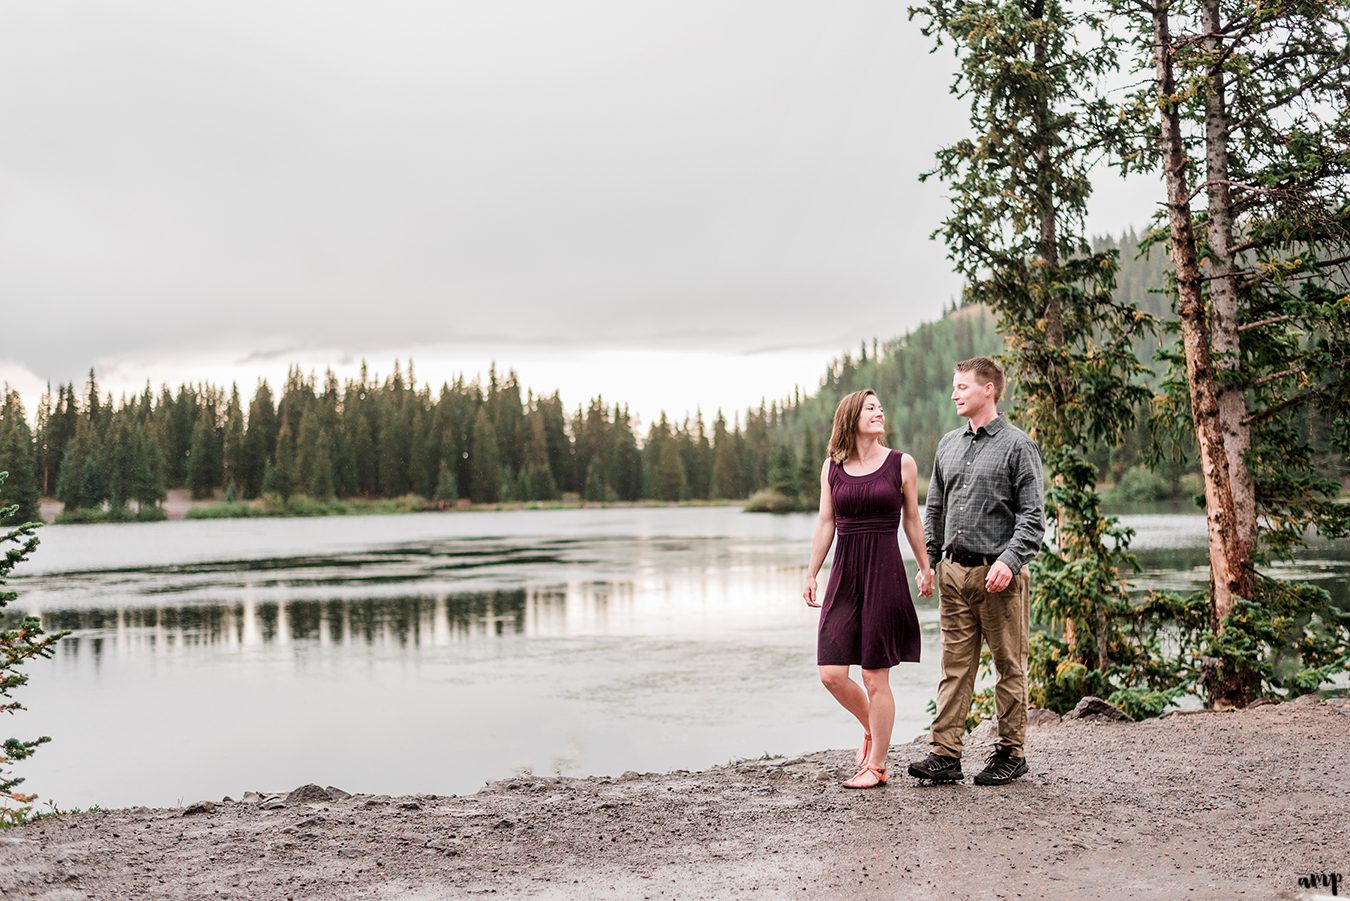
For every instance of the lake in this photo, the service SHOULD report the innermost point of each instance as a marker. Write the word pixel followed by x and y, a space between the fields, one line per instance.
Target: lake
pixel 429 653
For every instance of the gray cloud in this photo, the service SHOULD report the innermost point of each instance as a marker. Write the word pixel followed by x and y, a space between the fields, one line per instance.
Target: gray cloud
pixel 266 177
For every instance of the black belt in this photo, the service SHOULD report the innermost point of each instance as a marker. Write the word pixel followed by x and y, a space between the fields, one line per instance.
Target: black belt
pixel 966 558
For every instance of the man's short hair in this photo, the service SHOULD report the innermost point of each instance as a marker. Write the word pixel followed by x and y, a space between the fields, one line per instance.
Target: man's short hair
pixel 987 371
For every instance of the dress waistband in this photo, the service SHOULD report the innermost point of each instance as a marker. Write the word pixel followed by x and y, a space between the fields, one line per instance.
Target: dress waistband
pixel 852 525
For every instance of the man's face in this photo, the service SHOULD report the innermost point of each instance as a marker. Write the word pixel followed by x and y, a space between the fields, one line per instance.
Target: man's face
pixel 971 398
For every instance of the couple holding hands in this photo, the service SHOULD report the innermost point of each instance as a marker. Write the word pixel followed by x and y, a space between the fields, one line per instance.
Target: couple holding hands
pixel 983 521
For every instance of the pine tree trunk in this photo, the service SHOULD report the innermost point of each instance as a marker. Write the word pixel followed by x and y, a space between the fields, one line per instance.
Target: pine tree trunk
pixel 1224 306
pixel 1226 562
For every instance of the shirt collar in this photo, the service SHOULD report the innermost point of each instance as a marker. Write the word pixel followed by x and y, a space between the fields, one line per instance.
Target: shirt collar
pixel 991 429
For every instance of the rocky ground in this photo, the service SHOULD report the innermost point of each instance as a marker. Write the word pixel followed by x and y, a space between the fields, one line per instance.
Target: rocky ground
pixel 1211 805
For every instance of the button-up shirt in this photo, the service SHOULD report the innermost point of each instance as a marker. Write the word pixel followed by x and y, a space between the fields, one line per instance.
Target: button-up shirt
pixel 986 494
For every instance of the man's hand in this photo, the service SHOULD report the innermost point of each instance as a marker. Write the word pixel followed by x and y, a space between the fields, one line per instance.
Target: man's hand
pixel 809 592
pixel 926 580
pixel 999 578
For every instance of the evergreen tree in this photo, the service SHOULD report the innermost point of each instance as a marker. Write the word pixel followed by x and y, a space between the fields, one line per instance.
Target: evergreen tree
pixel 485 471
pixel 395 438
pixel 320 482
pixel 17 647
pixel 754 449
pixel 260 441
pixel 1016 231
pixel 808 473
pixel 560 453
pixel 200 465
pixel 178 420
pixel 591 429
pixel 625 464
pixel 595 488
pixel 18 457
pixel 148 488
pixel 279 478
pixel 426 451
pixel 783 472
pixel 92 488
pixel 669 480
pixel 698 459
pixel 311 453
pixel 447 486
pixel 121 461
pixel 234 463
pixel 81 482
pixel 537 478
pixel 506 413
pixel 726 480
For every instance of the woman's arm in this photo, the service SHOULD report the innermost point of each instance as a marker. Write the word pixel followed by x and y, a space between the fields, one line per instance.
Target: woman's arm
pixel 823 537
pixel 909 516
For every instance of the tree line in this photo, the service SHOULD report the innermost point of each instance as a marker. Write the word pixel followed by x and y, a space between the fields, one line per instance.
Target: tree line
pixel 368 438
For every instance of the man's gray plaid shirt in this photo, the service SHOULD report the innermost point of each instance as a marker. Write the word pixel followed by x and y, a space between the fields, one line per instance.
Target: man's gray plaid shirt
pixel 986 495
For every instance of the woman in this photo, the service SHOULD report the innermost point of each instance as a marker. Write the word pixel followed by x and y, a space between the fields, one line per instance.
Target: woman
pixel 866 492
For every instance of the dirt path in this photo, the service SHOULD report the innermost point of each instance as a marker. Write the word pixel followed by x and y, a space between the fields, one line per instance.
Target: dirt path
pixel 1196 806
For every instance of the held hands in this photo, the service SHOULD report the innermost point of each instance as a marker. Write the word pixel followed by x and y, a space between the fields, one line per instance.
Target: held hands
pixel 999 577
pixel 809 592
pixel 925 581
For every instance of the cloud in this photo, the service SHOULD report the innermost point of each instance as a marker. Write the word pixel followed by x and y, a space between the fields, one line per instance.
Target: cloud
pixel 261 180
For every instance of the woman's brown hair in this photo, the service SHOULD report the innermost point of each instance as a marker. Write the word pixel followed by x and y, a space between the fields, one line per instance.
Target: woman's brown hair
pixel 844 435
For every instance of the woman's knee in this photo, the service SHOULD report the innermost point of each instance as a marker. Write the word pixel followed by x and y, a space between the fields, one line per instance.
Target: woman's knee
pixel 833 677
pixel 876 680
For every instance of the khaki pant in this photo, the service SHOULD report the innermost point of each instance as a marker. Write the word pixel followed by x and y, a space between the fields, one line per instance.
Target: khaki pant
pixel 967 614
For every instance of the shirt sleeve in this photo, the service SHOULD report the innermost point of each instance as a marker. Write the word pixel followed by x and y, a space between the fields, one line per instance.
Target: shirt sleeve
pixel 1029 500
pixel 933 514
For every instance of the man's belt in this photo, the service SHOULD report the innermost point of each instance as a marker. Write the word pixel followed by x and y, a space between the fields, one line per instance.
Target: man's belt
pixel 966 558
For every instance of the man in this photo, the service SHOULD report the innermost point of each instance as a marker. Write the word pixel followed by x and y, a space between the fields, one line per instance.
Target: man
pixel 984 520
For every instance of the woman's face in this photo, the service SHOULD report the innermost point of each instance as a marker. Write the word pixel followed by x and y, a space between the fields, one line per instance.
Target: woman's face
pixel 872 419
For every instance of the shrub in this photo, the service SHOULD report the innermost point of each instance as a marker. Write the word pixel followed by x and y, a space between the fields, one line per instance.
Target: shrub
pixel 1138 484
pixel 768 500
pixel 17 647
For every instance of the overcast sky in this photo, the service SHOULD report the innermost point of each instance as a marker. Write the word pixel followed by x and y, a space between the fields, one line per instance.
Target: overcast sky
pixel 678 204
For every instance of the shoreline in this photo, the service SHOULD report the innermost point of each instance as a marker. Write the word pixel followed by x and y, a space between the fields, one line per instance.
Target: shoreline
pixel 1108 810
pixel 181 506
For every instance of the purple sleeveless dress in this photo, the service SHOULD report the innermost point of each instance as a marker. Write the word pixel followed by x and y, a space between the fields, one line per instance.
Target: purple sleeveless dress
pixel 868 615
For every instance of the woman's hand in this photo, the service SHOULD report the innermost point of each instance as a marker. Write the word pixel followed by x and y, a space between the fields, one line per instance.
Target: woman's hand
pixel 809 592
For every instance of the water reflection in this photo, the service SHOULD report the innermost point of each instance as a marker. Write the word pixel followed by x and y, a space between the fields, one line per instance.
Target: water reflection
pixel 409 622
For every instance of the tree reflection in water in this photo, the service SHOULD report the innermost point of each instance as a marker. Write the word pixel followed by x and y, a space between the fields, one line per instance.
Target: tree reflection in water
pixel 415 621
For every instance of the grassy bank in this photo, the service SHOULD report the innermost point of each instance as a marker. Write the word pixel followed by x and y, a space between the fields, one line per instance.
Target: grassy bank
pixel 122 514
pixel 301 505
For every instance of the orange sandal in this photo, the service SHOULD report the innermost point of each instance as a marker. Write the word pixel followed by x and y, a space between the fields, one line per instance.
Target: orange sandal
pixel 864 752
pixel 877 771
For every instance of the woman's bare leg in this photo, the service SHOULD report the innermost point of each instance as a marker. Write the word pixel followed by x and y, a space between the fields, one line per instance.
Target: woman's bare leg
pixel 847 692
pixel 881 710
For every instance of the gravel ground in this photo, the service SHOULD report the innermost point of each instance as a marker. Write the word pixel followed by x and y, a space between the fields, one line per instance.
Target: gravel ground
pixel 1212 805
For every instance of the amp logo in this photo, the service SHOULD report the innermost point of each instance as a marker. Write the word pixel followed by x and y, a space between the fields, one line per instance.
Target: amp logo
pixel 1322 880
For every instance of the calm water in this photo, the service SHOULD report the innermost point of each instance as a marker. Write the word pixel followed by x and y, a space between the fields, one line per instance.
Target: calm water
pixel 429 653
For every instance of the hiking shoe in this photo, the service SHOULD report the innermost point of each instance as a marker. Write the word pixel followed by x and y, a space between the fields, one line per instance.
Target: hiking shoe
pixel 937 768
pixel 1001 767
